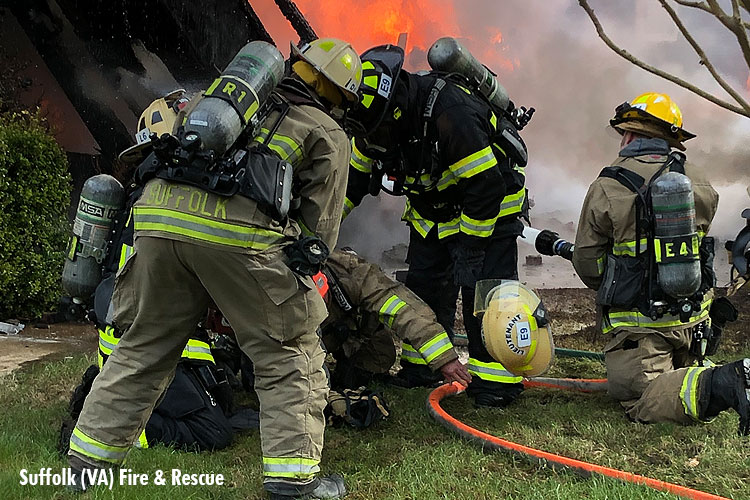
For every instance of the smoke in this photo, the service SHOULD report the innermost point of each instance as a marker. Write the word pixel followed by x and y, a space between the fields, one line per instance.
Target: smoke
pixel 547 54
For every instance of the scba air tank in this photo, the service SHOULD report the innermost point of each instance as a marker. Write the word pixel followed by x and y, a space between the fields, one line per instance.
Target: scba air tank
pixel 233 99
pixel 449 56
pixel 102 197
pixel 676 240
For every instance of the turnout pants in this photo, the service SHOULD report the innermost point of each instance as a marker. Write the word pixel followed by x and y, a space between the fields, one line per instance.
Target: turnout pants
pixel 649 373
pixel 430 276
pixel 160 295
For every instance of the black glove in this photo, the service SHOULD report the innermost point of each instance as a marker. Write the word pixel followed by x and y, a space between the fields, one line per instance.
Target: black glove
pixel 545 242
pixel 468 262
pixel 307 255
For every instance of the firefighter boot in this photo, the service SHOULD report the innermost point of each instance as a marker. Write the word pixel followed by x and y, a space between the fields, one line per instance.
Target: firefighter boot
pixel 412 375
pixel 327 487
pixel 729 387
pixel 82 476
pixel 488 394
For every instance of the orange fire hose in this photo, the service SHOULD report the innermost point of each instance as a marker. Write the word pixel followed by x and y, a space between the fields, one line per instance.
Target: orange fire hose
pixel 489 442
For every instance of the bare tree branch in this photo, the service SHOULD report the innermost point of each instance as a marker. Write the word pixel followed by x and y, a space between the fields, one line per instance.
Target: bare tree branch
pixel 667 76
pixel 735 25
pixel 703 58
pixel 697 5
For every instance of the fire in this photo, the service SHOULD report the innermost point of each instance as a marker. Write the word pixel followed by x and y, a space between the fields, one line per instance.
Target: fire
pixel 366 23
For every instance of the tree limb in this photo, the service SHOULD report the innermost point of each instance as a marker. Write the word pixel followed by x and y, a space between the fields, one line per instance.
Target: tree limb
pixel 674 79
pixel 735 25
pixel 697 5
pixel 702 55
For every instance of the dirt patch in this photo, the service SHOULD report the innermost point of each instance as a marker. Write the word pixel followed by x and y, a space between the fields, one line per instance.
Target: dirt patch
pixel 574 319
pixel 56 341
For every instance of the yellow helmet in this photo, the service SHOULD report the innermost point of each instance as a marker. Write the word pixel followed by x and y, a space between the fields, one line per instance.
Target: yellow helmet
pixel 337 61
pixel 158 118
pixel 515 328
pixel 653 114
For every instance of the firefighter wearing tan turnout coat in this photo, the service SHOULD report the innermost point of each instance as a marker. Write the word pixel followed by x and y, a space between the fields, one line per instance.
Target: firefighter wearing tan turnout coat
pixel 650 369
pixel 191 247
pixel 366 308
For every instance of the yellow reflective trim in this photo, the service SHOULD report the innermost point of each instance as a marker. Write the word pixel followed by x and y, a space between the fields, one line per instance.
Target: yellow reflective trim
pixel 367 99
pixel 482 154
pixel 493 372
pixel 360 161
pixel 125 252
pixel 326 46
pixel 297 467
pixel 389 309
pixel 142 441
pixel 72 247
pixel 197 349
pixel 371 81
pixel 449 228
pixel 204 229
pixel 419 223
pixel 435 347
pixel 251 110
pixel 628 247
pixel 346 60
pixel 477 227
pixel 213 86
pixel 493 122
pixel 411 355
pixel 689 392
pixel 512 203
pixel 368 65
pixel 468 167
pixel 635 318
pixel 348 207
pixel 600 264
pixel 90 447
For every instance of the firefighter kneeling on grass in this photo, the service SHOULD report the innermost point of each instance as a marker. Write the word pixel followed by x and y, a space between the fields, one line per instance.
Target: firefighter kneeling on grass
pixel 642 244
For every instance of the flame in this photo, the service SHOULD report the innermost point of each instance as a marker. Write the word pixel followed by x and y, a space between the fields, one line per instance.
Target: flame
pixel 367 23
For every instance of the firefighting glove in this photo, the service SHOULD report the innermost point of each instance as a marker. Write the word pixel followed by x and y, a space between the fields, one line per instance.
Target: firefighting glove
pixel 545 242
pixel 468 262
pixel 307 255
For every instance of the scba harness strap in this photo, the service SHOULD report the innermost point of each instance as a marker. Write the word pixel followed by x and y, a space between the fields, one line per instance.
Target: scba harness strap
pixel 632 281
pixel 255 172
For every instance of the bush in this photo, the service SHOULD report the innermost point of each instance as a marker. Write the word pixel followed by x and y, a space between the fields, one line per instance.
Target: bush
pixel 34 197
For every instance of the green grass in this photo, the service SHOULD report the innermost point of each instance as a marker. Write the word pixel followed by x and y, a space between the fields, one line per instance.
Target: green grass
pixel 409 456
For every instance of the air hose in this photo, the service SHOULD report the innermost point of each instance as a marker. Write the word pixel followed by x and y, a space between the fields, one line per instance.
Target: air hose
pixel 575 353
pixel 557 462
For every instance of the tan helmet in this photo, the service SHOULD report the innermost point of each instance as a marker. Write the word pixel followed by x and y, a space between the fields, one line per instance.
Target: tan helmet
pixel 337 61
pixel 158 118
pixel 515 328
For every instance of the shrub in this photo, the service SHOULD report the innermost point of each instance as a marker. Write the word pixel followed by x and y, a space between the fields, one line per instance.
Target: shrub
pixel 34 197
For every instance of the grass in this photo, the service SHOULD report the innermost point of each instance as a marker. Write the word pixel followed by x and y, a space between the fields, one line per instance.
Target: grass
pixel 408 456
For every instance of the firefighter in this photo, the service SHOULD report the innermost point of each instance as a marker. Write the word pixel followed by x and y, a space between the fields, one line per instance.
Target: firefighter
pixel 197 410
pixel 439 144
pixel 650 358
pixel 364 307
pixel 193 246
